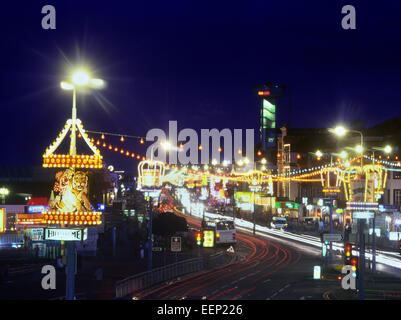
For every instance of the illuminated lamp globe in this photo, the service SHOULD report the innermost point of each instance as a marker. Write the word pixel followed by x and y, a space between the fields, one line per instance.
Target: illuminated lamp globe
pixel 80 78
pixel 339 131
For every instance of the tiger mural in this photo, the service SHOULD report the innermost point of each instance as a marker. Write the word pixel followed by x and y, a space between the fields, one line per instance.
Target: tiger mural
pixel 72 188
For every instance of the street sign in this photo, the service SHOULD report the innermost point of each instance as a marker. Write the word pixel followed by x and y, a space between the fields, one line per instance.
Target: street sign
pixel 316 272
pixel 66 234
pixel 157 249
pixel 37 234
pixel 363 215
pixel 175 244
pixel 332 237
pixel 208 238
pixel 327 202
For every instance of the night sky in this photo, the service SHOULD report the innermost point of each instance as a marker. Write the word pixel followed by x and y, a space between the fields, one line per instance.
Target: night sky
pixel 196 62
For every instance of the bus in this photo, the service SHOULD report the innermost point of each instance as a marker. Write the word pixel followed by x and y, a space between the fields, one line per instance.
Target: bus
pixel 224 230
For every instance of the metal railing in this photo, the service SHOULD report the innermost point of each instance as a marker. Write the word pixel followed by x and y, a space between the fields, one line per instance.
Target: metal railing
pixel 146 279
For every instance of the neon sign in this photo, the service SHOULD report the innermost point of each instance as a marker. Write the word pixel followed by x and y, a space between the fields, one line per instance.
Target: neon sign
pixel 2 219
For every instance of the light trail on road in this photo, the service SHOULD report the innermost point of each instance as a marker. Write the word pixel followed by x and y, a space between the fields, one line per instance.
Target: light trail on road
pixel 264 259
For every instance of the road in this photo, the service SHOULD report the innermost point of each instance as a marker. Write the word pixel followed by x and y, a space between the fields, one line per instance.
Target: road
pixel 268 269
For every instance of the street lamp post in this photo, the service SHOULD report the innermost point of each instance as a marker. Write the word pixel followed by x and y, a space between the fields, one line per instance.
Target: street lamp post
pixel 386 149
pixel 341 131
pixel 79 79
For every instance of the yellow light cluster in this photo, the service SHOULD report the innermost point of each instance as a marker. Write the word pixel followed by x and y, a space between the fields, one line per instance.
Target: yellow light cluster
pixel 331 189
pixel 72 161
pixel 72 218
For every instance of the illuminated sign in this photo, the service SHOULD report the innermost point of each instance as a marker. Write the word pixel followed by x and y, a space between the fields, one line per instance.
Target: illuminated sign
pixel 37 209
pixel 263 93
pixel 176 244
pixel 66 234
pixel 101 206
pixel 72 218
pixel 363 215
pixel 2 219
pixel 316 272
pixel 362 206
pixel 288 205
pixel 208 238
pixel 331 189
pixel 36 234
pixel 29 218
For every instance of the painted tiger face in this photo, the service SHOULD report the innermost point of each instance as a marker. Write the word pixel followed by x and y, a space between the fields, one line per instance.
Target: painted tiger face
pixel 80 181
pixel 65 180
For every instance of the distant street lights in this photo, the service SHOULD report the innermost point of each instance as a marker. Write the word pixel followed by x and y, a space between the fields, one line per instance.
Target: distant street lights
pixel 4 192
pixel 387 149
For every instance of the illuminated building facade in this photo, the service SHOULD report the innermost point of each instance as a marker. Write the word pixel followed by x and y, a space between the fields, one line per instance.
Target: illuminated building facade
pixel 268 95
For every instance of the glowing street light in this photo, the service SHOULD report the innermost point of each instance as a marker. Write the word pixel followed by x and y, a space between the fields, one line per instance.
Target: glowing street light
pixel 343 155
pixel 4 192
pixel 79 79
pixel 263 161
pixel 387 149
pixel 359 149
pixel 319 153
pixel 339 131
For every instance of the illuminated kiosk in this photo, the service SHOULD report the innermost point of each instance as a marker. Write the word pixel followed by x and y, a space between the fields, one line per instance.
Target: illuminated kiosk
pixel 364 184
pixel 330 187
pixel 151 174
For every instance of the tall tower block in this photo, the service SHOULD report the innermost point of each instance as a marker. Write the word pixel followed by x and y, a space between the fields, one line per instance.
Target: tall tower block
pixel 268 94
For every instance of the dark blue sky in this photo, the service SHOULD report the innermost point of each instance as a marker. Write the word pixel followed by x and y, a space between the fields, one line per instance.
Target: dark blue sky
pixel 196 62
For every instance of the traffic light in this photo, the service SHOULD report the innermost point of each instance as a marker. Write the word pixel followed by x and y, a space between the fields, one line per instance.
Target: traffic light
pixel 354 263
pixel 347 253
pixel 199 238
